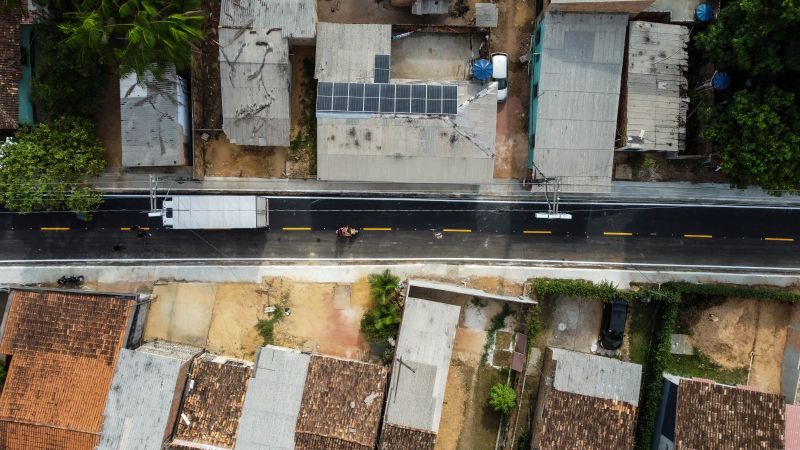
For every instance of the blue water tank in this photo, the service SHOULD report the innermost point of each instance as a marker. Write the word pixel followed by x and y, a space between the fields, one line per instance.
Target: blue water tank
pixel 482 69
pixel 704 12
pixel 720 81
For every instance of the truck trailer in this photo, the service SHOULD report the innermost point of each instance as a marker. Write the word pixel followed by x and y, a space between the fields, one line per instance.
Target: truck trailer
pixel 208 212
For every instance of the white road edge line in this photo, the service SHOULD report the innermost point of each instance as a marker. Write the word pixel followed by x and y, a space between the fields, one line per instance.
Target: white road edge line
pixel 557 262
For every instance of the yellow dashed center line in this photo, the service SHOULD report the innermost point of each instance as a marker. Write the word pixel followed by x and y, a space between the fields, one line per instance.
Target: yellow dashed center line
pixel 617 233
pixel 779 239
pixel 296 228
pixel 698 236
pixel 456 230
pixel 376 229
pixel 55 229
pixel 537 232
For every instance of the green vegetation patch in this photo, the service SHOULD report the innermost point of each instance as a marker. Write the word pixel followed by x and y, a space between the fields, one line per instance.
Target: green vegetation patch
pixel 700 365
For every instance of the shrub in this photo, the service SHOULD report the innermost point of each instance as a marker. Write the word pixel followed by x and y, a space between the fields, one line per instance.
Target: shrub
pixel 382 321
pixel 502 398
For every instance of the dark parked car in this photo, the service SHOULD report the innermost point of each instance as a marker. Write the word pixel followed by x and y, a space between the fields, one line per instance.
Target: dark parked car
pixel 613 325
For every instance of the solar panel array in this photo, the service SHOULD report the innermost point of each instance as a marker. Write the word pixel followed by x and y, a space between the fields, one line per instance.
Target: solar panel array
pixel 387 98
pixel 382 73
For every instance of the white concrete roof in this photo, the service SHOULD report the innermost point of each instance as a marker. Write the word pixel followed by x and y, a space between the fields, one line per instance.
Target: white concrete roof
pixel 581 68
pixel 657 85
pixel 422 360
pixel 346 52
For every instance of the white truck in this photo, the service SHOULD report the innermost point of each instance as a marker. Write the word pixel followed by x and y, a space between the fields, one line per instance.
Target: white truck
pixel 208 212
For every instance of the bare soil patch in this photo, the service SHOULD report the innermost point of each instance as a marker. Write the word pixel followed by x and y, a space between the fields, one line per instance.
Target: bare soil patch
pixel 301 160
pixel 223 159
pixel 237 309
pixel 728 332
pixel 108 125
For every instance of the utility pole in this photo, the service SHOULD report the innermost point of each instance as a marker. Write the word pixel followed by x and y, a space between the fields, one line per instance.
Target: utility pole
pixel 154 211
pixel 552 207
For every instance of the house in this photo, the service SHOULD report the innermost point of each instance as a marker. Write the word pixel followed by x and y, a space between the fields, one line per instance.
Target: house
pixel 372 127
pixel 210 411
pixel 255 37
pixel 155 119
pixel 419 375
pixel 586 401
pixel 300 401
pixel 631 7
pixel 145 394
pixel 655 98
pixel 575 90
pixel 790 365
pixel 701 414
pixel 16 106
pixel 64 348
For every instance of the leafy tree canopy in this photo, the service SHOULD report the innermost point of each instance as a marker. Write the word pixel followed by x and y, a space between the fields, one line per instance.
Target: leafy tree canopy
pixel 46 167
pixel 382 321
pixel 63 83
pixel 502 398
pixel 755 36
pixel 137 35
pixel 757 134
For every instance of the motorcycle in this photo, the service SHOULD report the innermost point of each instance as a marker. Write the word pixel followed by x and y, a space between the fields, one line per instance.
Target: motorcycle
pixel 72 280
pixel 347 232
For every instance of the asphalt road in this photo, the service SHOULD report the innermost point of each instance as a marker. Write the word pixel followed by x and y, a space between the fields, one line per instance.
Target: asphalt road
pixel 407 229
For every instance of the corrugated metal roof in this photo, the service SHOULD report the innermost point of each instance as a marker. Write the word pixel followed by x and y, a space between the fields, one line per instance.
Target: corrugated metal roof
pixel 422 360
pixel 294 18
pixel 154 118
pixel 657 62
pixel 147 383
pixel 213 211
pixel 273 399
pixel 581 68
pixel 422 7
pixel 596 376
pixel 254 79
pixel 346 52
pixel 363 147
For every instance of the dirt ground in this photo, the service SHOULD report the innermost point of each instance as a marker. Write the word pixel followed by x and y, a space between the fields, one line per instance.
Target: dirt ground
pixel 223 159
pixel 728 332
pixel 237 309
pixel 181 312
pixel 319 323
pixel 108 125
pixel 512 36
pixel 656 167
pixel 301 160
pixel 381 11
pixel 435 56
pixel 572 323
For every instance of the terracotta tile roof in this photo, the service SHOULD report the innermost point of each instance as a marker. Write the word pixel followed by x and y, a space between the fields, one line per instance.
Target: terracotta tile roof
pixel 713 416
pixel 10 68
pixel 341 406
pixel 214 405
pixel 63 348
pixel 573 421
pixel 395 437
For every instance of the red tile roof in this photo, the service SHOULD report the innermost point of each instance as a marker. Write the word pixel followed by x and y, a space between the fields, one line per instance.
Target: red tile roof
pixel 64 347
pixel 713 416
pixel 10 68
pixel 395 437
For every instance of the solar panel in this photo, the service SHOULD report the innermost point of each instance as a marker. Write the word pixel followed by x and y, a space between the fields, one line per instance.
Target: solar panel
pixel 325 88
pixel 450 93
pixel 387 98
pixel 382 61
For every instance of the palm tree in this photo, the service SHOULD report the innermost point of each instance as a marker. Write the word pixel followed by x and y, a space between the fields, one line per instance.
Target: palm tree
pixel 383 286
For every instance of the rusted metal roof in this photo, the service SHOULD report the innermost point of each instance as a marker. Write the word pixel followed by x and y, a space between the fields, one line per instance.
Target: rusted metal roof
pixel 10 68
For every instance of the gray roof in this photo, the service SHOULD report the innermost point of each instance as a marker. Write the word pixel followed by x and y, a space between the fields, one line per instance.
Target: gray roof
pixel 421 7
pixel 422 360
pixel 254 78
pixel 679 10
pixel 657 62
pixel 294 18
pixel 154 118
pixel 147 383
pixel 485 15
pixel 596 376
pixel 407 149
pixel 346 52
pixel 273 399
pixel 581 67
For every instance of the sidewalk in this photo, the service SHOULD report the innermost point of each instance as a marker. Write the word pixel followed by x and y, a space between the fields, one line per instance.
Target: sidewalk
pixel 622 191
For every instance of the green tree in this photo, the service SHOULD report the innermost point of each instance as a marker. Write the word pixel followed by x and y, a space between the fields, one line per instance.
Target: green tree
pixel 757 135
pixel 63 83
pixel 139 35
pixel 47 167
pixel 755 36
pixel 382 321
pixel 502 398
